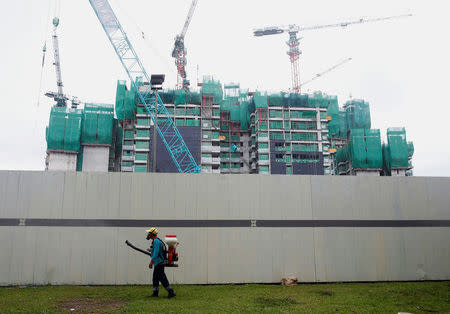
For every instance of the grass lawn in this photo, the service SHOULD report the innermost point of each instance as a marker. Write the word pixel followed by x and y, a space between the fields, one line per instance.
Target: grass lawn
pixel 392 297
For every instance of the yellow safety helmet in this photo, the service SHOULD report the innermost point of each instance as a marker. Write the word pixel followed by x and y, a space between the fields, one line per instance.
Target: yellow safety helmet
pixel 152 230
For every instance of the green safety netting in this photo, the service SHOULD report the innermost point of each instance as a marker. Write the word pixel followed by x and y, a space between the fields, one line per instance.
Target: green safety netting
pixel 342 125
pixel 235 110
pixel 363 149
pixel 211 87
pixel 251 107
pixel 244 100
pixel 117 138
pixel 397 150
pixel 276 100
pixel 410 149
pixel 193 98
pixel 167 96
pixel 97 124
pixel 296 100
pixel 180 97
pixel 341 155
pixel 260 101
pixel 64 129
pixel 225 105
pixel 374 151
pixel 333 112
pixel 125 101
pixel 244 115
pixel 238 107
pixel 354 115
pixel 315 100
pixel 357 114
pixel 318 99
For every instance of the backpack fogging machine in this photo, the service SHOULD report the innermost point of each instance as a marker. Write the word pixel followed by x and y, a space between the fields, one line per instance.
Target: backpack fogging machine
pixel 170 244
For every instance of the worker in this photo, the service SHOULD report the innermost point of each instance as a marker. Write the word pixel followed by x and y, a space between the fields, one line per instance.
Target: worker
pixel 157 252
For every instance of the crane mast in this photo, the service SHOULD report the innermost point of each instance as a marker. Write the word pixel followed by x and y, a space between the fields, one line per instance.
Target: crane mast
pixel 59 82
pixel 293 42
pixel 59 97
pixel 294 54
pixel 166 128
pixel 179 50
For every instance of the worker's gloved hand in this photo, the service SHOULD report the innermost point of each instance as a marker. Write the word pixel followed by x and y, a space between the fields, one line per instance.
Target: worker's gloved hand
pixel 150 265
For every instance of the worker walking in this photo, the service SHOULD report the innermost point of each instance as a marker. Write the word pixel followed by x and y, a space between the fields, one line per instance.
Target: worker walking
pixel 157 250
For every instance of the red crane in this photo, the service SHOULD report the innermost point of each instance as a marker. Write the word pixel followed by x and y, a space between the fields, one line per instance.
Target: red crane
pixel 294 52
pixel 179 50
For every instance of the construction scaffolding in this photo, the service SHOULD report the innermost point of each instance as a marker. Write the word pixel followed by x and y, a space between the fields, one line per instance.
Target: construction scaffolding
pixel 230 130
pixel 83 139
pixel 397 153
pixel 362 154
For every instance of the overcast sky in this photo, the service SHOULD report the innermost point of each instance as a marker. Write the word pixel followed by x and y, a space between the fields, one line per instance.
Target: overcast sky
pixel 400 67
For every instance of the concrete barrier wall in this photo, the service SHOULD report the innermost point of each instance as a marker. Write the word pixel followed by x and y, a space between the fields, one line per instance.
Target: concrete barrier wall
pixel 70 228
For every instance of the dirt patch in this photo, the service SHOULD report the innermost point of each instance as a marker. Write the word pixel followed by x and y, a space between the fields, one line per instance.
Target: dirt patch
pixel 85 305
pixel 274 302
pixel 327 292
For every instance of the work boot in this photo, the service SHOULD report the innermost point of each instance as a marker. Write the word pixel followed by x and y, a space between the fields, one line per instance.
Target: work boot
pixel 155 294
pixel 171 293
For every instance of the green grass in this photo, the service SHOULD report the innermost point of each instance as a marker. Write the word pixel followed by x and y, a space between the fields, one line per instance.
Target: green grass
pixel 386 297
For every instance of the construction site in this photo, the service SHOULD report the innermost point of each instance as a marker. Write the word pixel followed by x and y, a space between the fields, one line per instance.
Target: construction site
pixel 246 185
pixel 217 127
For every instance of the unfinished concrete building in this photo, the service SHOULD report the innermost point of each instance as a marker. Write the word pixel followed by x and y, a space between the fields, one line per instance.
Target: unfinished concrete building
pixel 228 130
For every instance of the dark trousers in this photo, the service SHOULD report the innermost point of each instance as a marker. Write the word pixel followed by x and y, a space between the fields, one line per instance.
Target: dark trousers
pixel 159 275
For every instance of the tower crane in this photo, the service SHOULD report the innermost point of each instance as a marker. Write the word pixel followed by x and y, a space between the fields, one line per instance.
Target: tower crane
pixel 59 97
pixel 326 71
pixel 148 95
pixel 294 52
pixel 179 50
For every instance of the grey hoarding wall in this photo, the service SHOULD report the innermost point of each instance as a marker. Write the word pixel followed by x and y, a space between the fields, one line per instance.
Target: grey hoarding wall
pixel 70 228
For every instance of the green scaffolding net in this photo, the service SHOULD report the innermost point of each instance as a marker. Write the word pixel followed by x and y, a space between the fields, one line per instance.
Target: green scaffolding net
pixel 410 149
pixel 318 100
pixel 180 97
pixel 97 124
pixel 64 129
pixel 125 101
pixel 397 151
pixel 363 149
pixel 342 120
pixel 259 100
pixel 276 100
pixel 357 114
pixel 315 100
pixel 244 101
pixel 333 113
pixel 354 115
pixel 167 96
pixel 214 88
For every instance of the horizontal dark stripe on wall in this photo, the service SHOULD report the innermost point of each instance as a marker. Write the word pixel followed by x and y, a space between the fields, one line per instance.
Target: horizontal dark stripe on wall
pixel 191 223
pixel 353 223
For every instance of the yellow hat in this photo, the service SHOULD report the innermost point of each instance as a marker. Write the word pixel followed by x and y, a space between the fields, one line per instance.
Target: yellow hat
pixel 152 230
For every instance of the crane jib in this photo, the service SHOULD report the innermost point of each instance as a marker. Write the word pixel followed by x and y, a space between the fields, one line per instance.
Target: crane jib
pixel 167 130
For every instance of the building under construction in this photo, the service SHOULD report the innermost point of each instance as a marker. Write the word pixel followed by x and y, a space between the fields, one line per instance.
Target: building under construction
pixel 228 130
pixel 218 128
